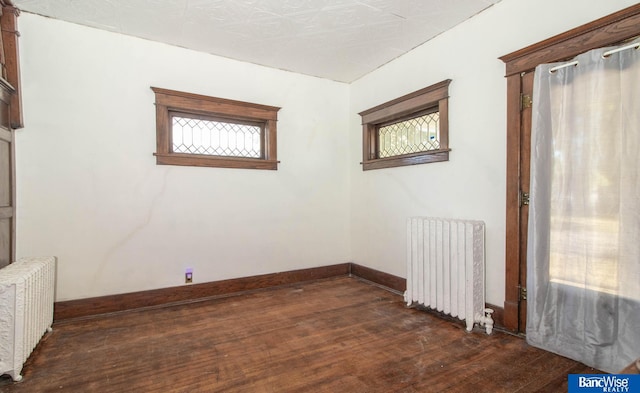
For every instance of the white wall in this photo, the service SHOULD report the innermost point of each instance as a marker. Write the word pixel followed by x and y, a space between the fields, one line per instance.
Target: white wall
pixel 472 184
pixel 91 194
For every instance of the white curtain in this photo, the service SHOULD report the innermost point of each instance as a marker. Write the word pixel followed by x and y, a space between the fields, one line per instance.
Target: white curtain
pixel 583 255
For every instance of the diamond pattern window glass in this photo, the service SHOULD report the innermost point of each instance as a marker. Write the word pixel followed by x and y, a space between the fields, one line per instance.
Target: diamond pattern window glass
pixel 197 130
pixel 418 134
pixel 410 130
pixel 215 137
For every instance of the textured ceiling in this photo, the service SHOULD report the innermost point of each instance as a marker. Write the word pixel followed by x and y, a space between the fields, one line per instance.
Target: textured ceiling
pixel 335 39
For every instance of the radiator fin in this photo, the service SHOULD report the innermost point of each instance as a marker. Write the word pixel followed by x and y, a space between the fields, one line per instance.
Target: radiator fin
pixel 26 310
pixel 445 268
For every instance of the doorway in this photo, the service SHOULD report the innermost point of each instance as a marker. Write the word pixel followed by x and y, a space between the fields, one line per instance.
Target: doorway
pixel 520 66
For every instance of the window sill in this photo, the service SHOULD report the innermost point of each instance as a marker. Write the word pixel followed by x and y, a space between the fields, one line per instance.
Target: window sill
pixel 214 161
pixel 407 159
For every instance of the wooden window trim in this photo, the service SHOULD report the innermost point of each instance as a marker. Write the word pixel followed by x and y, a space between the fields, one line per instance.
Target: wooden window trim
pixel 169 102
pixel 11 59
pixel 433 97
pixel 608 30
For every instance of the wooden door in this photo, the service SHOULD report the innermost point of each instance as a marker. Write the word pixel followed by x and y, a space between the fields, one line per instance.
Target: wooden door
pixel 7 179
pixel 609 30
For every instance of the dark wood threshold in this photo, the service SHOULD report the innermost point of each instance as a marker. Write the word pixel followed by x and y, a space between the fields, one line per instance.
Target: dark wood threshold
pixel 84 308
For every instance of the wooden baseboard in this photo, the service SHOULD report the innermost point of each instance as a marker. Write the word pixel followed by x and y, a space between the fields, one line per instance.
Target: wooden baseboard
pixel 511 315
pixel 399 285
pixel 81 308
pixel 395 283
pixel 72 309
pixel 498 315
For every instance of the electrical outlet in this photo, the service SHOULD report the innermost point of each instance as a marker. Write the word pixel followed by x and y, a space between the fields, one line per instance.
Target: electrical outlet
pixel 188 276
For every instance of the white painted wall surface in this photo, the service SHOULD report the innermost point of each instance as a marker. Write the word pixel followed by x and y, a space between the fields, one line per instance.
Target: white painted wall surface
pixel 472 184
pixel 92 195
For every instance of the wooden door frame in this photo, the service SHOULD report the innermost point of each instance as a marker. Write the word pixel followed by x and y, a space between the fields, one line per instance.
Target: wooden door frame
pixel 611 29
pixel 11 65
pixel 10 116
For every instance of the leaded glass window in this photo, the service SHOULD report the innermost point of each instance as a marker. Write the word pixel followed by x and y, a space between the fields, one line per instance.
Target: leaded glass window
pixel 409 130
pixel 215 137
pixel 198 130
pixel 413 135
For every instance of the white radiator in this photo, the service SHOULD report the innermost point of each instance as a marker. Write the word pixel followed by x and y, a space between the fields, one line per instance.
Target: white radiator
pixel 445 268
pixel 26 310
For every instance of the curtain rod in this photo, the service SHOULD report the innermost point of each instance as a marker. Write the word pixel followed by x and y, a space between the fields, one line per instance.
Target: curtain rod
pixel 556 68
pixel 604 56
pixel 612 51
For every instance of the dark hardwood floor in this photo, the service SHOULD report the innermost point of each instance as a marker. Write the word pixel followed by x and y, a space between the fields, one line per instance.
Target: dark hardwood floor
pixel 333 335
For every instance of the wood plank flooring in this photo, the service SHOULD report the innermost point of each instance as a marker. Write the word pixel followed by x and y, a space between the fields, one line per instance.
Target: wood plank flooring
pixel 334 335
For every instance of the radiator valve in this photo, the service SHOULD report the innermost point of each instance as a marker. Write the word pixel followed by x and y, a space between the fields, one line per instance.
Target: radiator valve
pixel 486 320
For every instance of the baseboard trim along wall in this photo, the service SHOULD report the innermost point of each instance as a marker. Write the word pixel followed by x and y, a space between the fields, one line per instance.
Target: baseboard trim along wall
pixel 386 280
pixel 72 309
pixel 89 307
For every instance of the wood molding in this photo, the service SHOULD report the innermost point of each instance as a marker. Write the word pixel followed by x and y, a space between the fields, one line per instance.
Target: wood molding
pixel 607 30
pixel 409 103
pixel 205 161
pixel 407 159
pixel 10 35
pixel 512 246
pixel 498 315
pixel 72 309
pixel 399 285
pixel 171 103
pixel 386 280
pixel 82 308
pixel 431 99
pixel 8 176
pixel 179 100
